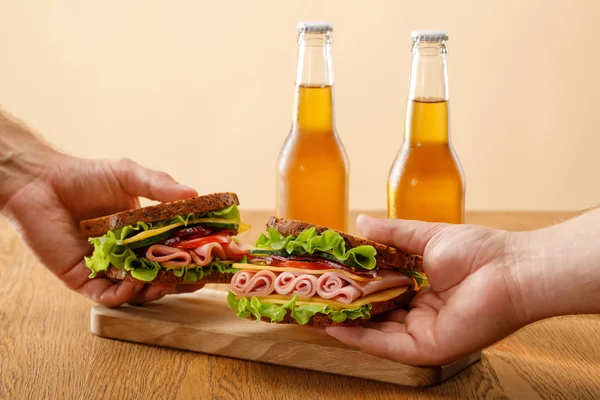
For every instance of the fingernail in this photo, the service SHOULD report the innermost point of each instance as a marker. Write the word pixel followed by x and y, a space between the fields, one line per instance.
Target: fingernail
pixel 187 187
pixel 363 217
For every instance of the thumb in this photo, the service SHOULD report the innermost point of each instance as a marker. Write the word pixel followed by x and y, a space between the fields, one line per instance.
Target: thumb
pixel 406 235
pixel 148 183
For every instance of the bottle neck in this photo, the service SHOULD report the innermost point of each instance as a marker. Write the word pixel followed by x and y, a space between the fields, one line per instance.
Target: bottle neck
pixel 429 72
pixel 313 104
pixel 427 116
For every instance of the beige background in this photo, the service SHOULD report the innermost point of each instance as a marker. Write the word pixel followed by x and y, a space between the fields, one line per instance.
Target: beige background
pixel 204 89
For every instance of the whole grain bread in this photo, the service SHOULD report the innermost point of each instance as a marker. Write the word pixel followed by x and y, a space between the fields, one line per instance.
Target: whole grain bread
pixel 377 308
pixel 387 257
pixel 158 212
pixel 165 277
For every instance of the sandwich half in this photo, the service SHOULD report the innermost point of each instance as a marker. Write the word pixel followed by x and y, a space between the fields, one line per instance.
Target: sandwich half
pixel 186 241
pixel 301 273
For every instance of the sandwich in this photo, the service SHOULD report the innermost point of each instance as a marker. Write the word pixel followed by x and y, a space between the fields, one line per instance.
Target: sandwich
pixel 186 241
pixel 300 273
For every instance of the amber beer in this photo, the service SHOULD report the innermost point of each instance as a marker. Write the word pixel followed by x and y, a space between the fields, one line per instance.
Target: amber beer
pixel 312 169
pixel 426 180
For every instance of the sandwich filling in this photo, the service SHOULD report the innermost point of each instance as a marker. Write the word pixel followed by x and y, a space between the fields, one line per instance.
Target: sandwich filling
pixel 190 246
pixel 313 273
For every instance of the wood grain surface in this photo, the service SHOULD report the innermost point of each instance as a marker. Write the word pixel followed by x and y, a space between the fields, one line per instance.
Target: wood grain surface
pixel 47 350
pixel 203 322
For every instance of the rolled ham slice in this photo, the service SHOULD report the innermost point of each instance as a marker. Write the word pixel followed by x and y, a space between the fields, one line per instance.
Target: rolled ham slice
pixel 389 279
pixel 168 257
pixel 205 254
pixel 293 283
pixel 236 251
pixel 336 286
pixel 249 283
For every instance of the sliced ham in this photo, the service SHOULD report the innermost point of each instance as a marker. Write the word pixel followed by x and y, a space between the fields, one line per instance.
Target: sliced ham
pixel 205 254
pixel 389 279
pixel 248 283
pixel 336 286
pixel 294 283
pixel 168 257
pixel 172 257
pixel 235 250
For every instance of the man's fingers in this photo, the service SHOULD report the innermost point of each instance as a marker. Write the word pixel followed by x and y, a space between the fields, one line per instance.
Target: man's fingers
pixel 151 184
pixel 386 326
pixel 188 288
pixel 409 236
pixel 396 346
pixel 108 293
pixel 151 293
pixel 397 315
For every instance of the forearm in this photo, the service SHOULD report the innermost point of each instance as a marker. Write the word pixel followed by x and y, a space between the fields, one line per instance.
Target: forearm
pixel 558 268
pixel 23 156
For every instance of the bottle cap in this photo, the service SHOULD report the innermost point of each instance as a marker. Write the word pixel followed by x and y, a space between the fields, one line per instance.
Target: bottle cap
pixel 429 36
pixel 315 27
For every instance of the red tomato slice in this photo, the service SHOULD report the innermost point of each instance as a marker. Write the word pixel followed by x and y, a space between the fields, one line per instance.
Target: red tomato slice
pixel 192 244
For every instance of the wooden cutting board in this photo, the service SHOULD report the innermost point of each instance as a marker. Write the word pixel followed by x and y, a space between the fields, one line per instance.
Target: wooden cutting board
pixel 202 322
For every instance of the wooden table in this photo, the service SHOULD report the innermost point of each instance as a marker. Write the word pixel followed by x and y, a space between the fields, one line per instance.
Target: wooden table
pixel 47 350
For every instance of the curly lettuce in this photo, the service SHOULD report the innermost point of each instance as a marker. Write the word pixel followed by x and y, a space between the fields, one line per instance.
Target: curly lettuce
pixel 328 242
pixel 196 274
pixel 419 277
pixel 232 212
pixel 108 249
pixel 245 308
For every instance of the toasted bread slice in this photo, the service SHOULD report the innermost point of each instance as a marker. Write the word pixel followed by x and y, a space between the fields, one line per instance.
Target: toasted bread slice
pixel 387 257
pixel 377 308
pixel 165 277
pixel 158 212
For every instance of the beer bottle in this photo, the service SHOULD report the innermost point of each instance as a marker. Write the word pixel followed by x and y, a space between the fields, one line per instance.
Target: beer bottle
pixel 426 180
pixel 312 168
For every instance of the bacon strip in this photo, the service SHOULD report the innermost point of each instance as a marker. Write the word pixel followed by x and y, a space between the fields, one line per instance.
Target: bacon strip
pixel 168 257
pixel 304 285
pixel 248 284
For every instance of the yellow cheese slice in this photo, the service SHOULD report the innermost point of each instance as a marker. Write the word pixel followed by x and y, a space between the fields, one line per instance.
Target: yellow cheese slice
pixel 150 233
pixel 305 271
pixel 384 295
pixel 242 227
pixel 153 232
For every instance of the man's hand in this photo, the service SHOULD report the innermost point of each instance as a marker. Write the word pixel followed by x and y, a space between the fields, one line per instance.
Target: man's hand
pixel 46 213
pixel 45 194
pixel 472 301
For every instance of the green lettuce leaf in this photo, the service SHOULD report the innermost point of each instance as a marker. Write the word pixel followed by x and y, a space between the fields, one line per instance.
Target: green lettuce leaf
pixel 419 277
pixel 231 212
pixel 177 272
pixel 108 249
pixel 245 307
pixel 309 242
pixel 144 270
pixel 196 274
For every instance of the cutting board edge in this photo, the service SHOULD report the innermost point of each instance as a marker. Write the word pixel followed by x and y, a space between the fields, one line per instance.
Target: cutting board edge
pixel 421 376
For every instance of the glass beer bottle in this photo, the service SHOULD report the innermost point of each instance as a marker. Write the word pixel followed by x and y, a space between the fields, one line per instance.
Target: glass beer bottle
pixel 312 168
pixel 426 180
